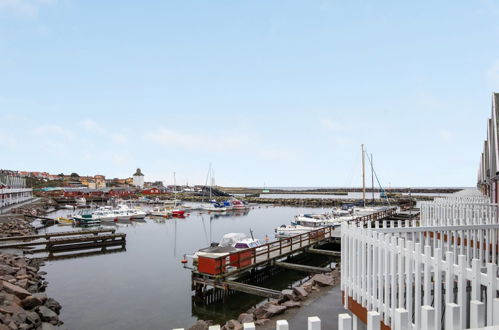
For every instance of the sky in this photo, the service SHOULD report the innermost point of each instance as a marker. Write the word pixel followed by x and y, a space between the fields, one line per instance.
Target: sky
pixel 281 93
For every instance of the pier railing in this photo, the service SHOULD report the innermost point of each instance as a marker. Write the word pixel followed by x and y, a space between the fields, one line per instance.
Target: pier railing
pixel 437 274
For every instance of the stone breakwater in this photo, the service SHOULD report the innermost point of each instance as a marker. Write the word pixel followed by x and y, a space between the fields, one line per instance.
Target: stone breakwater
pixel 37 208
pixel 291 298
pixel 23 305
pixel 16 226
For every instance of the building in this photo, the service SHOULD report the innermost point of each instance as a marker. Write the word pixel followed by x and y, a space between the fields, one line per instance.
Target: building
pixel 138 179
pixel 100 181
pixel 13 190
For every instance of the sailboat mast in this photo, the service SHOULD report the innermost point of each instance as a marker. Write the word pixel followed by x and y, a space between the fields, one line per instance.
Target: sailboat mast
pixel 363 175
pixel 174 189
pixel 372 176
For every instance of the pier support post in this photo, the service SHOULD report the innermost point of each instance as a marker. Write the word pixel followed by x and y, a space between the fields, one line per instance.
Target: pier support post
pixel 373 321
pixel 344 322
pixel 477 314
pixel 427 317
pixel 249 326
pixel 282 325
pixel 452 319
pixel 401 319
pixel 314 323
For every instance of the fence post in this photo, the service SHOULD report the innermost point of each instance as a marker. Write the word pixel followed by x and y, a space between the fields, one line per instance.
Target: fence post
pixel 373 321
pixel 314 323
pixel 452 319
pixel 496 311
pixel 249 326
pixel 401 319
pixel 477 314
pixel 491 290
pixel 344 322
pixel 282 325
pixel 427 317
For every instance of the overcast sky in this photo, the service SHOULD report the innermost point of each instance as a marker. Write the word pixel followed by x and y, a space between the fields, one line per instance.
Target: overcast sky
pixel 274 92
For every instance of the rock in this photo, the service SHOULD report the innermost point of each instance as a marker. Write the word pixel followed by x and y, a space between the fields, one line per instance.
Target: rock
pixel 33 318
pixel 200 325
pixel 23 283
pixel 48 315
pixel 41 296
pixel 54 305
pixel 289 294
pixel 308 286
pixel 261 322
pixel 233 325
pixel 323 280
pixel 47 326
pixel 245 318
pixel 6 270
pixel 15 290
pixel 292 304
pixel 268 310
pixel 301 292
pixel 30 302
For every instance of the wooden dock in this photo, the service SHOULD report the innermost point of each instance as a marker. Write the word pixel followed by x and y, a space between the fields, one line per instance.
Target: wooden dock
pixel 64 242
pixel 215 271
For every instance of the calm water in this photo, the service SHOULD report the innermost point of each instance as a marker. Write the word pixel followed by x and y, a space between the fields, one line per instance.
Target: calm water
pixel 146 287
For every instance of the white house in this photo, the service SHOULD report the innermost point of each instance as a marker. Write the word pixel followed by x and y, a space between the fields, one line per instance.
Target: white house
pixel 138 179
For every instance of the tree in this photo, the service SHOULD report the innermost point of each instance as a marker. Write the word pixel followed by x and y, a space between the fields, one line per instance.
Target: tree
pixel 74 175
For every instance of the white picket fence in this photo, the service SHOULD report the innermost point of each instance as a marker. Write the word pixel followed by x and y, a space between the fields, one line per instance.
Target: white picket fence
pixel 313 323
pixel 439 273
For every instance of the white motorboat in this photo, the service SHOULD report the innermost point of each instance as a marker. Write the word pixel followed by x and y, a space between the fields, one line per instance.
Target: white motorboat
pixel 230 242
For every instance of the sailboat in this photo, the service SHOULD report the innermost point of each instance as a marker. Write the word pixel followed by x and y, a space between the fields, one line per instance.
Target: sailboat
pixel 212 205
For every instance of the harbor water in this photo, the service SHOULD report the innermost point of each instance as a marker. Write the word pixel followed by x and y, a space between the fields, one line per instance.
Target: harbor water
pixel 146 286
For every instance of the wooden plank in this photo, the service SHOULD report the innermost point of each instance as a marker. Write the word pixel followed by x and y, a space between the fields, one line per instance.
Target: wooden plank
pixel 252 289
pixel 303 268
pixel 58 234
pixel 325 252
pixel 63 241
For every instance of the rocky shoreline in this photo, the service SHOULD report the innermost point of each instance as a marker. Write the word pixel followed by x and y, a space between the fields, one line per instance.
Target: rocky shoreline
pixel 23 303
pixel 291 298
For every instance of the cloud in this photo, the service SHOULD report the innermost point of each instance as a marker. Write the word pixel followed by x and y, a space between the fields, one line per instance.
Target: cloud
pixel 54 131
pixel 25 8
pixel 330 125
pixel 93 126
pixel 118 138
pixel 168 137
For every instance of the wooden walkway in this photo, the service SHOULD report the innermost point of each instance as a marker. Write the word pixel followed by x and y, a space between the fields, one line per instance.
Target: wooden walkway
pixel 63 242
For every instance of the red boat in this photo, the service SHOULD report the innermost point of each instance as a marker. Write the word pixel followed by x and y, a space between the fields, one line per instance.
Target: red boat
pixel 178 213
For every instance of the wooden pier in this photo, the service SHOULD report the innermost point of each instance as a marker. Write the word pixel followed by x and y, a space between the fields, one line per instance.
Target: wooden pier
pixel 64 242
pixel 214 271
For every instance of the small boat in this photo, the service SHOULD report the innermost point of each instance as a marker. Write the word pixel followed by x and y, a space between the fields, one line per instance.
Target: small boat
pixel 230 242
pixel 214 207
pixel 238 205
pixel 81 202
pixel 65 221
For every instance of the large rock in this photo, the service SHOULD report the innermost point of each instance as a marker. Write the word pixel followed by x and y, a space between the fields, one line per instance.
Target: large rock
pixel 323 280
pixel 15 290
pixel 308 286
pixel 200 325
pixel 289 295
pixel 245 318
pixel 301 292
pixel 291 304
pixel 268 310
pixel 30 302
pixel 33 318
pixel 233 325
pixel 54 305
pixel 7 270
pixel 48 315
pixel 47 326
pixel 261 322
